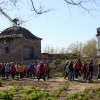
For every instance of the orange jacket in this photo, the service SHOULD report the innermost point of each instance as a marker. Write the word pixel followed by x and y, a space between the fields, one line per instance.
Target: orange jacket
pixel 20 69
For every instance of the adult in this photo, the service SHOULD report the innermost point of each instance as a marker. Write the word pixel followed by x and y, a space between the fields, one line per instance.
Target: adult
pixel 77 68
pixel 71 71
pixel 90 67
pixel 31 70
pixel 47 70
pixel 84 71
pixel 66 73
pixel 41 71
pixel 17 66
pixel 13 70
pixel 7 70
pixel 98 74
pixel 80 64
pixel 21 71
pixel 0 69
pixel 23 65
pixel 3 69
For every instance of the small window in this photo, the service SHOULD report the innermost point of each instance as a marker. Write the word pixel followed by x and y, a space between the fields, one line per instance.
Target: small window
pixel 6 50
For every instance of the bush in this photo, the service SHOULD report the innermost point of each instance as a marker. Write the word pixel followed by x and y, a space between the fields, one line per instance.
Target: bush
pixel 56 62
pixel 0 81
pixel 57 74
pixel 5 94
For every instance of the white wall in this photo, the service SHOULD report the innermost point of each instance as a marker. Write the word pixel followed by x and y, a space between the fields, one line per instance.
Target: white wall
pixel 98 45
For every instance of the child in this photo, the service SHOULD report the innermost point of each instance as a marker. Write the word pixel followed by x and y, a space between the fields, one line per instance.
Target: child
pixel 84 71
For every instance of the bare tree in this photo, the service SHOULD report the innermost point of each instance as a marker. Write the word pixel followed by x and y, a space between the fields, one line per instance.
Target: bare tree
pixel 86 5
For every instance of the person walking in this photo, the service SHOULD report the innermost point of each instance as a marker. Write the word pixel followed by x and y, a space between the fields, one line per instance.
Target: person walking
pixel 84 71
pixel 13 70
pixel 67 70
pixel 17 66
pixel 21 71
pixel 47 70
pixel 31 70
pixel 7 70
pixel 71 71
pixel 66 74
pixel 98 73
pixel 41 71
pixel 77 68
pixel 90 67
pixel 0 69
pixel 80 64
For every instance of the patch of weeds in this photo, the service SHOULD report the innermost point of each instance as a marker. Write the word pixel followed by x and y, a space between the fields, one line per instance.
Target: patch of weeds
pixel 93 81
pixel 57 92
pixel 96 90
pixel 77 96
pixel 57 74
pixel 6 94
pixel 98 94
pixel 96 81
pixel 35 93
pixel 0 81
pixel 16 88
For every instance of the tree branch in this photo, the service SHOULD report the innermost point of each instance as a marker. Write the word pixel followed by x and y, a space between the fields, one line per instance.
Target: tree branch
pixel 39 12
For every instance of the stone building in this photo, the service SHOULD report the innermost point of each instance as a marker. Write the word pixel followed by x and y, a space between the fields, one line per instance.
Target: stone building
pixel 17 44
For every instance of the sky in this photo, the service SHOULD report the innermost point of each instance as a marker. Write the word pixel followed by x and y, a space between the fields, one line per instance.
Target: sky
pixel 58 28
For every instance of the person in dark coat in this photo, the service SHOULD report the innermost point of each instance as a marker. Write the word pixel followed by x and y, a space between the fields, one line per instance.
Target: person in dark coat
pixel 71 71
pixel 90 68
pixel 98 74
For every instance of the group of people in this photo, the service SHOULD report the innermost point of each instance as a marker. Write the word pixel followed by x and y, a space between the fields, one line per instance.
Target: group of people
pixel 74 70
pixel 20 70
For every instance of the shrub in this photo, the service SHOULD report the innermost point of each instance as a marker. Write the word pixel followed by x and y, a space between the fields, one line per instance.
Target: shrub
pixel 5 94
pixel 57 74
pixel 77 96
pixel 56 62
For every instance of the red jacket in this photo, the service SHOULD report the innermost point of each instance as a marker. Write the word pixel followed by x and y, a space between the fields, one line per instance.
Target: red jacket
pixel 84 70
pixel 12 68
pixel 41 68
pixel 76 65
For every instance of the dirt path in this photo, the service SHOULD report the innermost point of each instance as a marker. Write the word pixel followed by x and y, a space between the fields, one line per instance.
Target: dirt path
pixel 51 85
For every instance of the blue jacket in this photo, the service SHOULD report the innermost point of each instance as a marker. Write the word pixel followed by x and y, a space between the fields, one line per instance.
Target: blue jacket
pixel 7 68
pixel 67 68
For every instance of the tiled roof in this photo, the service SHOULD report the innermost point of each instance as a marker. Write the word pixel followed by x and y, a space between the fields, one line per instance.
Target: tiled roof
pixel 15 30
